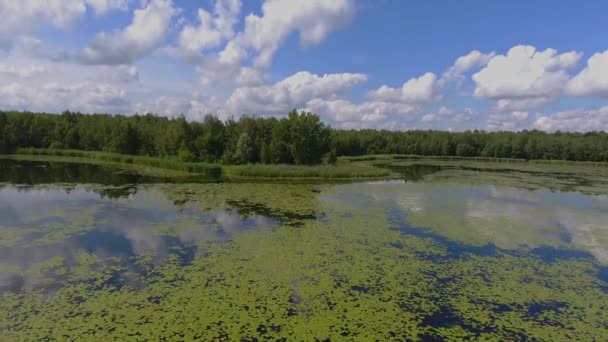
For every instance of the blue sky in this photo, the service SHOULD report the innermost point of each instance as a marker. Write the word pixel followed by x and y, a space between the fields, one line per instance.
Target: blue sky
pixel 456 65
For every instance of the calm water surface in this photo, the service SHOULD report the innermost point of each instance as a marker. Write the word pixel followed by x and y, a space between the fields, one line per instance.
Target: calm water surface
pixel 88 253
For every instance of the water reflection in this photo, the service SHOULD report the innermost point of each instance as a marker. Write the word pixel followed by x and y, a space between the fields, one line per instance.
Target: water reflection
pixel 44 232
pixel 507 217
pixel 41 172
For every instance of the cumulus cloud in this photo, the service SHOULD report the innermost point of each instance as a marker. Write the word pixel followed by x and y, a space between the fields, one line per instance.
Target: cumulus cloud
pixel 519 116
pixel 415 90
pixel 313 20
pixel 25 18
pixel 346 114
pixel 212 29
pixel 193 107
pixel 85 97
pixel 292 92
pixel 464 64
pixel 514 121
pixel 449 116
pixel 593 79
pixel 574 120
pixel 102 7
pixel 38 85
pixel 522 103
pixel 430 118
pixel 525 77
pixel 20 72
pixel 146 32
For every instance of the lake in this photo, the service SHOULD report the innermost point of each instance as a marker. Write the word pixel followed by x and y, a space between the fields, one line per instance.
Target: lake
pixel 445 252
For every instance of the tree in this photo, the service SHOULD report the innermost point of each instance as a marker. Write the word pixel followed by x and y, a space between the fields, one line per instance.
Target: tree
pixel 280 144
pixel 211 143
pixel 332 158
pixel 4 143
pixel 124 139
pixel 465 150
pixel 309 137
pixel 265 156
pixel 244 149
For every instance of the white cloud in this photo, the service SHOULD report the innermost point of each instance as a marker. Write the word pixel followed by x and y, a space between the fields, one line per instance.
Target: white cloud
pixel 213 29
pixel 25 18
pixel 292 92
pixel 515 121
pixel 118 74
pixel 465 63
pixel 192 107
pixel 102 7
pixel 524 76
pixel 593 80
pixel 522 103
pixel 27 71
pixel 519 116
pixel 415 90
pixel 575 120
pixel 41 85
pixel 147 30
pixel 85 97
pixel 313 20
pixel 346 114
pixel 445 114
pixel 430 118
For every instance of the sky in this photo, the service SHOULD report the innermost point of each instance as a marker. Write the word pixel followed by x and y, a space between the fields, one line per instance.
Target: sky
pixel 384 64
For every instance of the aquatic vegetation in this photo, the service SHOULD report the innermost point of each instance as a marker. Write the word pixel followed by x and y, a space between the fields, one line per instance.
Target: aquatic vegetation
pixel 261 261
pixel 318 171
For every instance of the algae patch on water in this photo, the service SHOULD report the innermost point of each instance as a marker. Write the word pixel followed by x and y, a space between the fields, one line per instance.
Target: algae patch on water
pixel 295 262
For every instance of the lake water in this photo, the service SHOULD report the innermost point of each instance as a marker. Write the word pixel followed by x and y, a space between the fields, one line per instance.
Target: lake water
pixel 88 253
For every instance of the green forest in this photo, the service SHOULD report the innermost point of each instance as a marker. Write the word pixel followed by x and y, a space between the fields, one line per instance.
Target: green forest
pixel 299 138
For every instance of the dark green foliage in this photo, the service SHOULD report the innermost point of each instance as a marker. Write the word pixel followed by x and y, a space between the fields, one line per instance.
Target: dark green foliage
pixel 332 158
pixel 244 149
pixel 265 156
pixel 185 155
pixel 309 137
pixel 4 145
pixel 591 146
pixel 300 138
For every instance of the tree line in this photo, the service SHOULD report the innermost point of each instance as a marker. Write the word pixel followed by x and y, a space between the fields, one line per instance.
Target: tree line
pixel 298 138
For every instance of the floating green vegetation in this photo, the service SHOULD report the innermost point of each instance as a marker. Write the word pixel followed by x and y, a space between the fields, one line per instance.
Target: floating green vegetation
pixel 339 171
pixel 348 270
pixel 582 177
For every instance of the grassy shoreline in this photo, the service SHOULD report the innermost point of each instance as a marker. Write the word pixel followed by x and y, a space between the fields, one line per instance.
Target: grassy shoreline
pixel 171 168
pixel 159 163
pixel 403 157
pixel 348 168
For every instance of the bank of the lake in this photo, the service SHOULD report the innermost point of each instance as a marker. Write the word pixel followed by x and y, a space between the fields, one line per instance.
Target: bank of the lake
pixel 176 169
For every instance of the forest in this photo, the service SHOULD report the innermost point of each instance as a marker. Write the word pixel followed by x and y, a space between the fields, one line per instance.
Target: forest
pixel 298 138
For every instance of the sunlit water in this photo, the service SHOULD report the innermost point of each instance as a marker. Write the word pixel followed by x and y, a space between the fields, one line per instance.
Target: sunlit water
pixel 388 260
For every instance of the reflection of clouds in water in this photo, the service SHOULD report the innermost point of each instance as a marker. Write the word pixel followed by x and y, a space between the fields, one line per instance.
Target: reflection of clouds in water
pixel 122 228
pixel 588 229
pixel 17 205
pixel 17 262
pixel 411 202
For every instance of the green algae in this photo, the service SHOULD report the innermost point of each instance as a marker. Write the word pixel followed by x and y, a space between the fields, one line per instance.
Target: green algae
pixel 338 269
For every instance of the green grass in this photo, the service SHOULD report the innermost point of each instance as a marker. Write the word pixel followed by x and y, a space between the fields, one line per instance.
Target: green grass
pixel 340 171
pixel 388 157
pixel 161 163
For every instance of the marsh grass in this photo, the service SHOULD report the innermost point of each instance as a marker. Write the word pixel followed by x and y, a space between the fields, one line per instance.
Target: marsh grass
pixel 340 171
pixel 161 163
pixel 388 157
